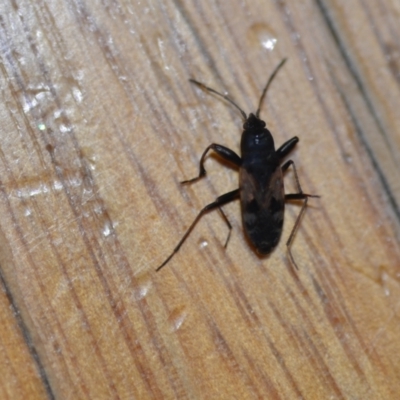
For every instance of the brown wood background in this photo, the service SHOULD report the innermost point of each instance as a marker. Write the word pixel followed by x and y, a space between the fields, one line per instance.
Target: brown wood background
pixel 99 124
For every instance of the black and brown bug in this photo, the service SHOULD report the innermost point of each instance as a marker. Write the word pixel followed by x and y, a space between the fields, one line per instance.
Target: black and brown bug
pixel 261 189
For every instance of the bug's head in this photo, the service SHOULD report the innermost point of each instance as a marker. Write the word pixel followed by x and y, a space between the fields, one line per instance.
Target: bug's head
pixel 256 137
pixel 253 123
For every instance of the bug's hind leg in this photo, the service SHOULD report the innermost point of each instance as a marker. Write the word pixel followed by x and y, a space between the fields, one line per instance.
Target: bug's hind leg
pixel 295 196
pixel 220 201
pixel 229 227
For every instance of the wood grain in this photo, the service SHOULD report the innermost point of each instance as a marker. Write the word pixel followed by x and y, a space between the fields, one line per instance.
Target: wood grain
pixel 99 126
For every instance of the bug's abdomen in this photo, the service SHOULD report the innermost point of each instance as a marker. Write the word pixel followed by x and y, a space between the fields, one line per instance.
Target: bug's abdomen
pixel 263 204
pixel 263 229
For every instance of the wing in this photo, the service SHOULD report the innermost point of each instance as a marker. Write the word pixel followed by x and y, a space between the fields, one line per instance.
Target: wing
pixel 263 203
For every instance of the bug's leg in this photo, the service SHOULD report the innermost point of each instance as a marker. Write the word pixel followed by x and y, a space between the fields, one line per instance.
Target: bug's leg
pixel 295 196
pixel 286 148
pixel 229 226
pixel 222 151
pixel 294 229
pixel 220 201
pixel 300 191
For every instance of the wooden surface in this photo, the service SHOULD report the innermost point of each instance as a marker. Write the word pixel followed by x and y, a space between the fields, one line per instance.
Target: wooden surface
pixel 99 124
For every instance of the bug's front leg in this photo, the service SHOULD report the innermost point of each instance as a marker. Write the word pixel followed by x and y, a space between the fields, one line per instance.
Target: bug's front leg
pixel 227 154
pixel 286 148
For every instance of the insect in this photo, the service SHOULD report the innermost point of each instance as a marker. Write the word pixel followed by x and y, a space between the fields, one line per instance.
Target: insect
pixel 261 190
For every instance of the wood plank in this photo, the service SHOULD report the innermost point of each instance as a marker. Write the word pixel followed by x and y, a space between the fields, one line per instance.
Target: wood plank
pixel 99 126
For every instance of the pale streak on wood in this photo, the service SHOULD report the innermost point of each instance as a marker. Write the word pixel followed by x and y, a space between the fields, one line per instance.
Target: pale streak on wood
pixel 100 123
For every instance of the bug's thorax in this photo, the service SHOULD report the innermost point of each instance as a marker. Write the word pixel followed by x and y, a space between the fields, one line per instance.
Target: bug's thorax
pixel 257 143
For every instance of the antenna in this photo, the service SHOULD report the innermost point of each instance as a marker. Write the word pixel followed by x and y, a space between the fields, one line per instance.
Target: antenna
pixel 267 85
pixel 204 87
